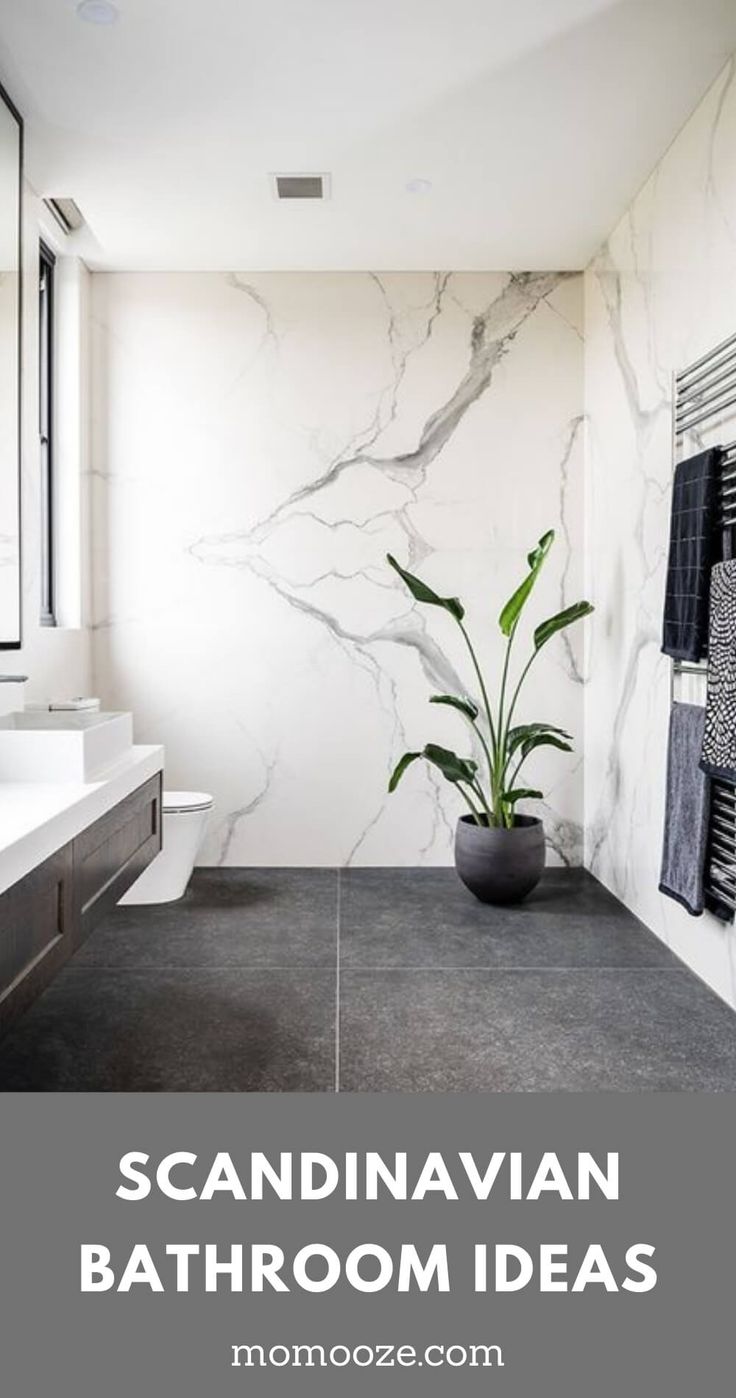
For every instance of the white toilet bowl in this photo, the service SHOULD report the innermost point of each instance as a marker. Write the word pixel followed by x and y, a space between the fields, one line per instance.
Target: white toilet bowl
pixel 185 815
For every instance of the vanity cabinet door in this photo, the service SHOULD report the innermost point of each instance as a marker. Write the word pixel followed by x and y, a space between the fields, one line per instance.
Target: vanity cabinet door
pixel 49 913
pixel 110 855
pixel 36 932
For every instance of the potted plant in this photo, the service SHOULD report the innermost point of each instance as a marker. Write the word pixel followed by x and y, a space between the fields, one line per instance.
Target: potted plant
pixel 499 855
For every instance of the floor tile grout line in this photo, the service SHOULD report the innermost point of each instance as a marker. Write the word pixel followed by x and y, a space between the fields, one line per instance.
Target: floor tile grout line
pixel 573 970
pixel 324 968
pixel 152 967
pixel 337 981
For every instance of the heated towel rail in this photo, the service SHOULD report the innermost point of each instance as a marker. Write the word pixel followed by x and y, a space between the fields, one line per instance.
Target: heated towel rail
pixel 705 395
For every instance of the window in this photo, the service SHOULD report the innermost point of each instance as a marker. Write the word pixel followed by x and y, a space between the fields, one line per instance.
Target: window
pixel 46 428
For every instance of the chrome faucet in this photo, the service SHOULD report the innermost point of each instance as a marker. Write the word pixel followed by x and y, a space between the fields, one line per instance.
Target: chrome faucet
pixel 13 679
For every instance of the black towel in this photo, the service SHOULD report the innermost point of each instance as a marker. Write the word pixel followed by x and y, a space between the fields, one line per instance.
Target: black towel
pixel 719 740
pixel 686 812
pixel 691 555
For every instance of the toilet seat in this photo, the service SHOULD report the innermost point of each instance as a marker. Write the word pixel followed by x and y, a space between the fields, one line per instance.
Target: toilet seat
pixel 180 801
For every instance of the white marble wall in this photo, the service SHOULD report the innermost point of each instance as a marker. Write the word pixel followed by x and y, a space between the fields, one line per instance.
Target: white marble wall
pixel 661 292
pixel 259 443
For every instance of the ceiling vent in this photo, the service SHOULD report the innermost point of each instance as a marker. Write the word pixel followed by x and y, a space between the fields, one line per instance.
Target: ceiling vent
pixel 68 215
pixel 301 186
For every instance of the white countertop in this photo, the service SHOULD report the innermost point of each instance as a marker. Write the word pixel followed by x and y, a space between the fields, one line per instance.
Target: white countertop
pixel 36 819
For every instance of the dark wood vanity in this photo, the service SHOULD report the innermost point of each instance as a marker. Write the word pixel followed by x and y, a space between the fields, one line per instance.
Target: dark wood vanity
pixel 47 915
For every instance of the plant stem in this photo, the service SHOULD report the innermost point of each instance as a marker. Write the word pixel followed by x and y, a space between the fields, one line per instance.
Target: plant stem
pixel 504 678
pixel 517 769
pixel 479 793
pixel 510 785
pixel 522 677
pixel 483 690
pixel 478 734
pixel 500 764
pixel 475 814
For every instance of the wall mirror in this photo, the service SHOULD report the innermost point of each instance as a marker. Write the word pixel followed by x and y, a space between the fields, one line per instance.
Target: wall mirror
pixel 11 154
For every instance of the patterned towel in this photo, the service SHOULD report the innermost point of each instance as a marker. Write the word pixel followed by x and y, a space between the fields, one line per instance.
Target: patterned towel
pixel 719 741
pixel 686 812
pixel 692 543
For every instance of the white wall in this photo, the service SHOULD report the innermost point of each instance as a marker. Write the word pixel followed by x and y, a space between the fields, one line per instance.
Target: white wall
pixel 56 659
pixel 259 443
pixel 660 293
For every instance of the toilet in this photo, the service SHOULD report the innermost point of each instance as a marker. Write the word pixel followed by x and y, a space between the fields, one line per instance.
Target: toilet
pixel 185 815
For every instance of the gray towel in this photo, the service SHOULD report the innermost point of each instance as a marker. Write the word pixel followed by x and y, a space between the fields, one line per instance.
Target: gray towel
pixel 687 810
pixel 719 740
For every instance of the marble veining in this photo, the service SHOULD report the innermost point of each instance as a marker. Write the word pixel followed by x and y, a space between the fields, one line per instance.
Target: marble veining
pixel 286 431
pixel 660 293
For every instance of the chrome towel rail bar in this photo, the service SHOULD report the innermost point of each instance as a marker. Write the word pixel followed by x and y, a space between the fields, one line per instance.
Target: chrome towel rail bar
pixel 706 409
pixel 709 397
pixel 708 377
pixel 705 359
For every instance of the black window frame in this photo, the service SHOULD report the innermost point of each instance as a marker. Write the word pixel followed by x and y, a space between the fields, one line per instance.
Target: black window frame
pixel 46 433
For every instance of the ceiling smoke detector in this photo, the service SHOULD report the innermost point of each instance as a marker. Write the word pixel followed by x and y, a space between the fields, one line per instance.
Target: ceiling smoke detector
pixel 97 12
pixel 68 215
pixel 301 186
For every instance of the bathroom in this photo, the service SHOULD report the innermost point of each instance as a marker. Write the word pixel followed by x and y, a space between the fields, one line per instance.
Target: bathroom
pixel 275 322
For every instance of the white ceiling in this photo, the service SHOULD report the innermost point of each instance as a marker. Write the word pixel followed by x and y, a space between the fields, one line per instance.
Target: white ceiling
pixel 535 120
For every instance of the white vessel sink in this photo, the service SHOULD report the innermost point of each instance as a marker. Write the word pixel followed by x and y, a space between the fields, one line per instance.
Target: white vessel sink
pixel 61 746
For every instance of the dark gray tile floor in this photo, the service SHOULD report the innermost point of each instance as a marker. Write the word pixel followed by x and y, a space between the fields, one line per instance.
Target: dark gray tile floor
pixel 373 980
pixel 229 917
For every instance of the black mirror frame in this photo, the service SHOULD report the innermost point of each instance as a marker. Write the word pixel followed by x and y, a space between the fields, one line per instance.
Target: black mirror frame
pixel 9 103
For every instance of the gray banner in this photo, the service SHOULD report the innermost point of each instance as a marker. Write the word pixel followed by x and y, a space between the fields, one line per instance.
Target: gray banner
pixel 59 1170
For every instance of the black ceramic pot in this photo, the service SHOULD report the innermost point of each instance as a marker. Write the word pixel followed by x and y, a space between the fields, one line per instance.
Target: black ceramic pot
pixel 500 866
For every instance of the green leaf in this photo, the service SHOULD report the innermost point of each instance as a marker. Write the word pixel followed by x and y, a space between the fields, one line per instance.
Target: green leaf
pixel 401 767
pixel 464 706
pixel 536 558
pixel 453 768
pixel 549 628
pixel 524 732
pixel 421 593
pixel 512 611
pixel 545 740
pixel 521 793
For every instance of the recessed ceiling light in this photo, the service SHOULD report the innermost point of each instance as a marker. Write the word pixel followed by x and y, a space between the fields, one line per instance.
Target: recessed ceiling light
pixel 418 186
pixel 97 11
